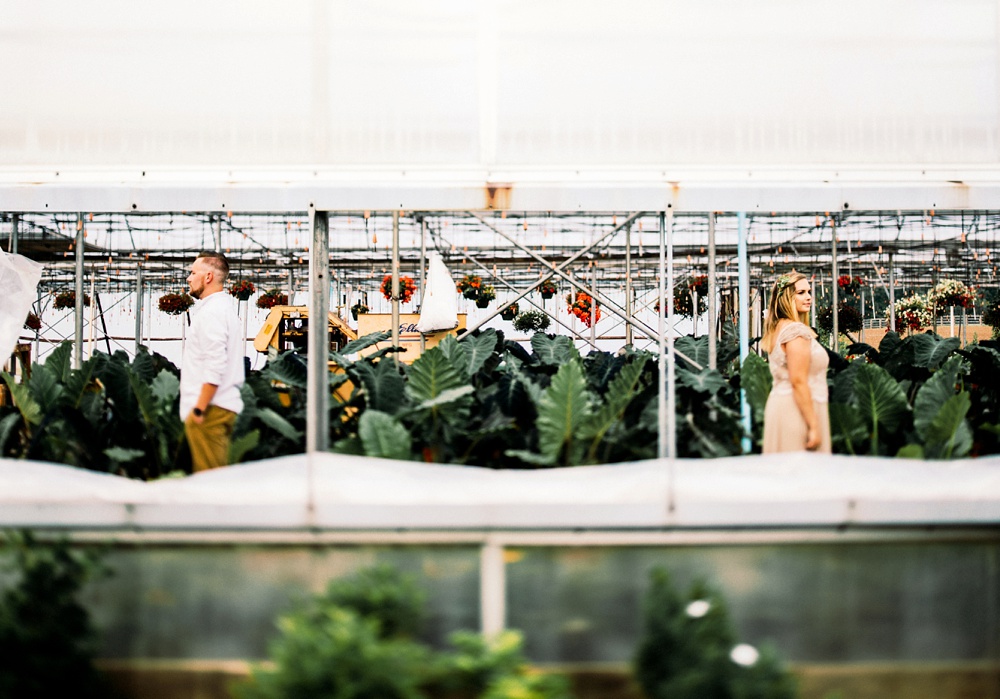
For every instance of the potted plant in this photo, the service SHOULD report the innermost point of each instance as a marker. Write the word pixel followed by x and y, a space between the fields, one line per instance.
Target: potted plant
pixel 358 309
pixel 486 294
pixel 405 290
pixel 548 288
pixel 848 318
pixel 682 296
pixel 243 289
pixel 67 299
pixel 175 304
pixel 33 322
pixel 912 313
pixel 272 298
pixel 949 292
pixel 509 312
pixel 849 286
pixel 581 305
pixel 531 321
pixel 991 310
pixel 469 286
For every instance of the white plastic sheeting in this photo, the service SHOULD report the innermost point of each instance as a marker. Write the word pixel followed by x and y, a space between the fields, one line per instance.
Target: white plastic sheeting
pixel 439 304
pixel 346 492
pixel 18 286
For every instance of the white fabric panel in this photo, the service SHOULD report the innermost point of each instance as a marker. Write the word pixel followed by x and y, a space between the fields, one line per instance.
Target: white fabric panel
pixel 18 288
pixel 448 82
pixel 439 302
pixel 359 493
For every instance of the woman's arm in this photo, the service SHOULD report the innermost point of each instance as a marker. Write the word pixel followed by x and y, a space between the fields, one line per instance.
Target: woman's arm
pixel 798 351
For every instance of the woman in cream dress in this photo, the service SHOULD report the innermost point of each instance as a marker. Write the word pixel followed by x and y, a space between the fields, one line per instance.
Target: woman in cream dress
pixel 796 417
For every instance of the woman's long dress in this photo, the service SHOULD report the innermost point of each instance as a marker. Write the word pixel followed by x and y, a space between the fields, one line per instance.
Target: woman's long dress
pixel 784 427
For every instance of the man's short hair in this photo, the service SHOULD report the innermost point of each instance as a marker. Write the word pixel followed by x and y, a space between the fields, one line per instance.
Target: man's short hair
pixel 217 261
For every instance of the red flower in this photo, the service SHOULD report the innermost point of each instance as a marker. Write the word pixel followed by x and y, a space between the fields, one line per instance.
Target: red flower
pixel 405 291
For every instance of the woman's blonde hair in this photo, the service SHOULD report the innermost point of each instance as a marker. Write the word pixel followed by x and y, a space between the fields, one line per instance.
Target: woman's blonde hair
pixel 781 306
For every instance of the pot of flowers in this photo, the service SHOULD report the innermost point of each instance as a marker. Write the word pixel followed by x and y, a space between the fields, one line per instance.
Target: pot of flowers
pixel 531 321
pixel 175 304
pixel 33 322
pixel 581 305
pixel 272 298
pixel 469 286
pixel 949 293
pixel 848 318
pixel 67 299
pixel 358 309
pixel 683 292
pixel 509 312
pixel 849 286
pixel 912 313
pixel 548 289
pixel 404 291
pixel 243 289
pixel 486 294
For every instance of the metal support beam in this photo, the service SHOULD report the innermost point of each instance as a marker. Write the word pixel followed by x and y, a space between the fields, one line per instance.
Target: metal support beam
pixel 834 287
pixel 744 300
pixel 318 396
pixel 662 445
pixel 395 283
pixel 15 224
pixel 492 587
pixel 667 234
pixel 713 320
pixel 218 233
pixel 628 285
pixel 892 295
pixel 138 306
pixel 78 288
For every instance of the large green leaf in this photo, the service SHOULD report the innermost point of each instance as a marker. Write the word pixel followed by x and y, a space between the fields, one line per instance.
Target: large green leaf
pixel 847 429
pixel 242 445
pixel 383 385
pixel 8 426
pixel 58 361
pixel 290 368
pixel 432 374
pixel 553 351
pixel 479 349
pixel 47 389
pixel 935 392
pixel 620 393
pixel 78 381
pixel 383 436
pixel 30 410
pixel 361 343
pixel 949 436
pixel 143 366
pixel 931 351
pixel 166 388
pixel 756 380
pixel 562 411
pixel 446 397
pixel 881 402
pixel 279 424
pixel 694 349
pixel 708 381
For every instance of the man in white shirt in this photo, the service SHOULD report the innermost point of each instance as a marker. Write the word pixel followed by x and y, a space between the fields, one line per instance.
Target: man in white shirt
pixel 212 366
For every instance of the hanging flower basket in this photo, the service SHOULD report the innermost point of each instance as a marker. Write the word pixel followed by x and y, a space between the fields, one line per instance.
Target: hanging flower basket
pixel 509 312
pixel 580 306
pixel 272 298
pixel 682 296
pixel 175 304
pixel 848 318
pixel 912 313
pixel 67 299
pixel 469 286
pixel 405 291
pixel 243 289
pixel 33 322
pixel 547 288
pixel 950 292
pixel 486 294
pixel 849 286
pixel 358 309
pixel 531 321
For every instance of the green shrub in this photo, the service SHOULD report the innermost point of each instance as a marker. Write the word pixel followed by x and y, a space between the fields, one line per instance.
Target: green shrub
pixel 688 650
pixel 46 638
pixel 354 642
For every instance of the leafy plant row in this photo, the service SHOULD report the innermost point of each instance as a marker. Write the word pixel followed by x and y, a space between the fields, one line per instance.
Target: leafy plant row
pixel 488 401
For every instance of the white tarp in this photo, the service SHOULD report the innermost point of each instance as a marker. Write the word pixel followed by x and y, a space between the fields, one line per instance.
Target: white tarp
pixel 350 492
pixel 18 288
pixel 439 304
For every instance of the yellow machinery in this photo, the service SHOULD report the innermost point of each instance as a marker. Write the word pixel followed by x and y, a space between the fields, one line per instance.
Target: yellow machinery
pixel 287 327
